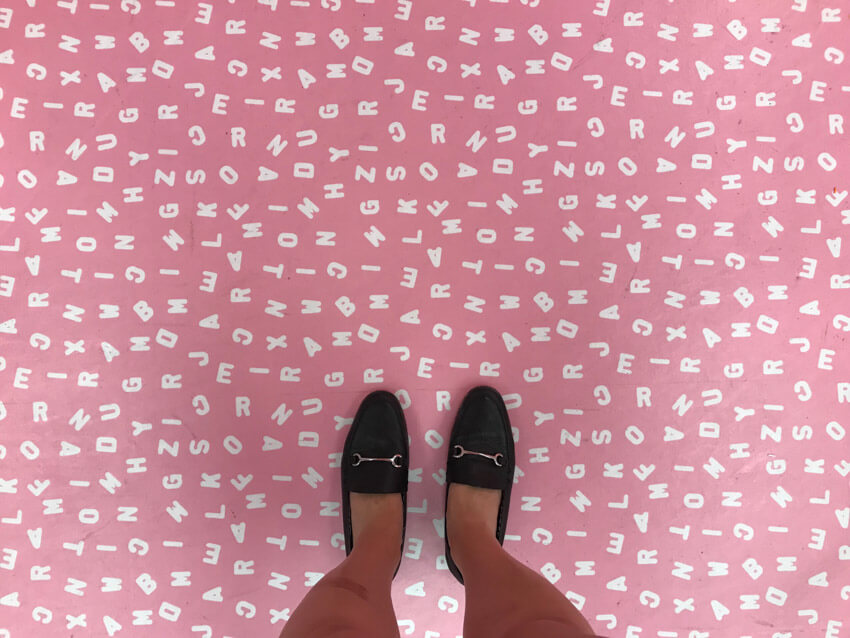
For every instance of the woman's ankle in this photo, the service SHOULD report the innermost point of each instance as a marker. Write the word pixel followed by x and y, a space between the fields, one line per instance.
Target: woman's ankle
pixel 470 541
pixel 379 544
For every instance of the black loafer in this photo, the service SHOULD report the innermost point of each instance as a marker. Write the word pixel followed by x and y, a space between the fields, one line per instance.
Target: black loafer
pixel 375 458
pixel 481 453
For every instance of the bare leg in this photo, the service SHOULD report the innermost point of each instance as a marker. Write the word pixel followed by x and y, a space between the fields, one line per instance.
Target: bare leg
pixel 353 600
pixel 504 598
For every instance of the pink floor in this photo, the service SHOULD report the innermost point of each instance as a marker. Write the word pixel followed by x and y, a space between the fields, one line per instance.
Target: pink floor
pixel 222 223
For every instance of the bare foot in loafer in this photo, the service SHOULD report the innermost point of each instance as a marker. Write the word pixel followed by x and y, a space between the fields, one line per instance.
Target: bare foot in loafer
pixel 470 513
pixel 378 514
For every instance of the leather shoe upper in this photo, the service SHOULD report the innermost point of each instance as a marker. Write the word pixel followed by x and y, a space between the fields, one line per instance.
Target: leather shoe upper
pixel 378 431
pixel 482 425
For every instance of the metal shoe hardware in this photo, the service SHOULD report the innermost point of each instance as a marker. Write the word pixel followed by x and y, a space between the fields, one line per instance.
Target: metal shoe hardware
pixel 356 460
pixel 497 458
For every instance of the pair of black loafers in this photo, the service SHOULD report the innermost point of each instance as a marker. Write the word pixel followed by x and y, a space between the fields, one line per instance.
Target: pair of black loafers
pixel 375 458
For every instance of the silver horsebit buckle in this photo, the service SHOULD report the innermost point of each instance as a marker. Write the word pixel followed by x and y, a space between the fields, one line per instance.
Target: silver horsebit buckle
pixel 496 458
pixel 356 460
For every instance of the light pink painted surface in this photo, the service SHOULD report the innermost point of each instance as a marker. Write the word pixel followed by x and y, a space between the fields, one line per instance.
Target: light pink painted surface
pixel 134 303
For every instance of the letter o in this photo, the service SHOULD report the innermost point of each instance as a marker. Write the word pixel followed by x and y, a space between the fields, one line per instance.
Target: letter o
pixel 433 438
pixel 291 510
pixel 694 501
pixel 232 444
pixel 634 434
pixel 627 166
pixel 486 235
pixel 403 398
pixel 86 244
pixel 26 178
pixel 686 231
pixel 29 450
pixel 827 162
pixel 428 171
pixel 89 516
pixel 228 174
pixel 835 430
pixel 287 240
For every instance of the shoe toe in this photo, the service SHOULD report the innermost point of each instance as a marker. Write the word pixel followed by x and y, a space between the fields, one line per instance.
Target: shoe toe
pixel 480 425
pixel 379 430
